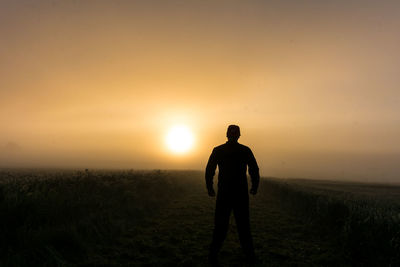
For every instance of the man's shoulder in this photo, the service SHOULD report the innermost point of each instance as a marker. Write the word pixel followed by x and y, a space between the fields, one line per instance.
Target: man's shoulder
pixel 244 147
pixel 226 146
pixel 222 146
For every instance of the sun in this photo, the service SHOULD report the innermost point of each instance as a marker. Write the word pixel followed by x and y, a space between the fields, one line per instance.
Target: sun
pixel 179 139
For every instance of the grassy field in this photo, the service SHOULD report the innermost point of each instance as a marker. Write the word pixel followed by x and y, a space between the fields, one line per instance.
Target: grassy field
pixel 165 218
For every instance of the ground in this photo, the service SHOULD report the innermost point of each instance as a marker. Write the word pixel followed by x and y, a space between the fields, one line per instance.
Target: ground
pixel 165 218
pixel 179 234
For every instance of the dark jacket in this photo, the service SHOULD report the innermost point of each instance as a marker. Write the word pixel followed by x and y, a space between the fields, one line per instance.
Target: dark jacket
pixel 232 159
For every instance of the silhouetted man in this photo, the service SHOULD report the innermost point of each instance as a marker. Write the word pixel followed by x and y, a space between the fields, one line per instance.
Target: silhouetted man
pixel 232 160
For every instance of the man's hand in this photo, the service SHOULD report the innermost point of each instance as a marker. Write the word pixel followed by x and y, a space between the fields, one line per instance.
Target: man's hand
pixel 211 192
pixel 253 191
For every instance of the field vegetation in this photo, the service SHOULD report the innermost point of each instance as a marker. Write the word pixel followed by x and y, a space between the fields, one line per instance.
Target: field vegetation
pixel 365 218
pixel 165 218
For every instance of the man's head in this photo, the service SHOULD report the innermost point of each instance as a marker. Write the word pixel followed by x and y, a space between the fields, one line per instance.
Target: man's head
pixel 233 132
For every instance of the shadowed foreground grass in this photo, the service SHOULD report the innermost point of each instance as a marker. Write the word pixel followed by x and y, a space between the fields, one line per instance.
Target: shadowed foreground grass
pixel 59 217
pixel 162 218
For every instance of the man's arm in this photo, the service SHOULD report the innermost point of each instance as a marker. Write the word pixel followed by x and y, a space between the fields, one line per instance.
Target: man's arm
pixel 210 172
pixel 254 173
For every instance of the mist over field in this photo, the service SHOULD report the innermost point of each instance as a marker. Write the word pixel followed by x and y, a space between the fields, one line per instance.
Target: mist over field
pixel 312 84
pixel 356 166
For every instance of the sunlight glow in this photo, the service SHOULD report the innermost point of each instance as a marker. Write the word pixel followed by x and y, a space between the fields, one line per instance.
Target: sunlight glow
pixel 179 139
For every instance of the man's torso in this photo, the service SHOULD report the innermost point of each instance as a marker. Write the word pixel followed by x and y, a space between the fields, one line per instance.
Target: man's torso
pixel 232 160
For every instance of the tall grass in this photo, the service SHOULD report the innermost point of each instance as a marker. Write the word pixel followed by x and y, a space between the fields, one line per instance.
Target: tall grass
pixel 59 217
pixel 367 228
pixel 55 218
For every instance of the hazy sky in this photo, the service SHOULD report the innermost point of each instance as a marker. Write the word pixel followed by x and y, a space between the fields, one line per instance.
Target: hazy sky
pixel 314 85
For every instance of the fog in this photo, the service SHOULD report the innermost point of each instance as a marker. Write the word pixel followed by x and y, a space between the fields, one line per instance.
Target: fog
pixel 312 84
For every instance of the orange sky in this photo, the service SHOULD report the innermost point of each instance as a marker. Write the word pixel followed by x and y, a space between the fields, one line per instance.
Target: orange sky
pixel 313 84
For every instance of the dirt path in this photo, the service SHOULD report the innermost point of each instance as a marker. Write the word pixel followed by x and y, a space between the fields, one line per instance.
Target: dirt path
pixel 181 233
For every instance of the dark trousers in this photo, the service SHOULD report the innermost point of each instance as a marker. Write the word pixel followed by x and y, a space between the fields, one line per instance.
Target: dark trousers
pixel 239 203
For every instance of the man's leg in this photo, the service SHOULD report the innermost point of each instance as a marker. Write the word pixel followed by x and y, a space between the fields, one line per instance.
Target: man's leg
pixel 241 212
pixel 222 212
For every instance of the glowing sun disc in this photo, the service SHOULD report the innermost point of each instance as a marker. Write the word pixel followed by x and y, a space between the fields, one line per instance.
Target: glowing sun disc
pixel 179 139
